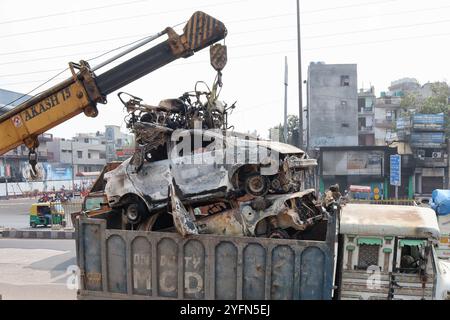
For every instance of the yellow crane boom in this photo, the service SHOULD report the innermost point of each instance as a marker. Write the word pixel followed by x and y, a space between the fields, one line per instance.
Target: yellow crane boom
pixel 85 89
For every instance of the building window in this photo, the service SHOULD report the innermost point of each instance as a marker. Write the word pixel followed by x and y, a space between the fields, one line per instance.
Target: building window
pixel 345 81
pixel 344 125
pixel 89 155
pixel 343 103
pixel 390 115
pixel 86 140
pixel 368 256
pixel 80 154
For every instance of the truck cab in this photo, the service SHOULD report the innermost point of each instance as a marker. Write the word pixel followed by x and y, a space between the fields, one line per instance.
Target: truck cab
pixel 389 252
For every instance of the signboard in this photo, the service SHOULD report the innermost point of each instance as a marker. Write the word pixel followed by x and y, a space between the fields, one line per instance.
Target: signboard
pixel 343 162
pixel 395 174
pixel 366 163
pixel 431 121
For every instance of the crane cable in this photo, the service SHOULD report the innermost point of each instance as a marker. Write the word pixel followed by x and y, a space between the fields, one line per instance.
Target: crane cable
pixel 91 59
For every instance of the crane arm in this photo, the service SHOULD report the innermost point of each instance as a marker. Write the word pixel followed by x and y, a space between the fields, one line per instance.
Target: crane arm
pixel 84 89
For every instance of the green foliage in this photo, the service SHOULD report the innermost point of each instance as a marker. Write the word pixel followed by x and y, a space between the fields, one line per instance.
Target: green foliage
pixel 436 103
pixel 292 125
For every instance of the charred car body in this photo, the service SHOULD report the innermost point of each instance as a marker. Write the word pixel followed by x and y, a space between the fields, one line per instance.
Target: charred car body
pixel 204 178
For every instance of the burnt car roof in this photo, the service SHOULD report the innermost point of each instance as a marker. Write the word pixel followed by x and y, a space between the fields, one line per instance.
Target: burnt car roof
pixel 280 147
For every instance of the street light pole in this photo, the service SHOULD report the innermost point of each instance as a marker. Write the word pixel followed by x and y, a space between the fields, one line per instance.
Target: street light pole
pixel 73 169
pixel 300 82
pixel 285 128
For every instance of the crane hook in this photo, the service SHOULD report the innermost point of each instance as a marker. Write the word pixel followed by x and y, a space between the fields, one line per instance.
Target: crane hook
pixel 32 160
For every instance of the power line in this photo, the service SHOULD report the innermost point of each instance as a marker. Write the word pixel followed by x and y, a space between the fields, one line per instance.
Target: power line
pixel 348 6
pixel 377 29
pixel 395 13
pixel 380 41
pixel 126 18
pixel 39 86
pixel 178 10
pixel 70 12
pixel 28 72
pixel 235 33
pixel 71 45
pixel 54 77
pixel 269 42
pixel 287 51
pixel 93 52
pixel 125 37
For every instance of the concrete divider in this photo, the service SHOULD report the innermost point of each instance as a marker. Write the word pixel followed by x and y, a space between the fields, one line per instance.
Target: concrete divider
pixel 36 234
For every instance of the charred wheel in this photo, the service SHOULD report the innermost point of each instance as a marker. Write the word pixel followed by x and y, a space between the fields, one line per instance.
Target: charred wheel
pixel 135 210
pixel 256 184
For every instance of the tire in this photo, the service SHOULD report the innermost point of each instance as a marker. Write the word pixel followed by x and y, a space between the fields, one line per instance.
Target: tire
pixel 33 224
pixel 279 234
pixel 135 212
pixel 256 185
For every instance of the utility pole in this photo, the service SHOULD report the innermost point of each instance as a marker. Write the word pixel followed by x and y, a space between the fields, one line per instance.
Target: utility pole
pixel 6 177
pixel 73 169
pixel 285 129
pixel 300 82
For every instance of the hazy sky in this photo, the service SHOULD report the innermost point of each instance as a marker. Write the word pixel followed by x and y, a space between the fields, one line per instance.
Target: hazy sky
pixel 388 39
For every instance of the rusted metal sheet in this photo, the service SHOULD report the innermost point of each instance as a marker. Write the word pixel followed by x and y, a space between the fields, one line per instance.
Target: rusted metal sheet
pixel 121 264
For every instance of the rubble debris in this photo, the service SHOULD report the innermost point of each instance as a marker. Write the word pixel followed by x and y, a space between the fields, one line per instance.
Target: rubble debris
pixel 182 220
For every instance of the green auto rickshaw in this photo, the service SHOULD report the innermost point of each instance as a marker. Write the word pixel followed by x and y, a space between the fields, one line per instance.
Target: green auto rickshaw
pixel 46 213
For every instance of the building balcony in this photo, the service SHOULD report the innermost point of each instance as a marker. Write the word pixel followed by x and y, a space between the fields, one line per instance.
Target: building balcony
pixel 429 162
pixel 365 130
pixel 45 137
pixel 384 123
pixel 388 102
pixel 366 111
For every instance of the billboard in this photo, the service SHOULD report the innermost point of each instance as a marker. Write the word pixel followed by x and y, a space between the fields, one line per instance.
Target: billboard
pixel 352 162
pixel 364 162
pixel 429 121
pixel 58 171
pixel 427 139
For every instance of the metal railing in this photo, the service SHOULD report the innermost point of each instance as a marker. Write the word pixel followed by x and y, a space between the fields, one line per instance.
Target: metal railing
pixel 399 202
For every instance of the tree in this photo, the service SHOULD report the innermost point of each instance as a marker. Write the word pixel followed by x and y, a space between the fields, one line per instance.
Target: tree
pixel 436 103
pixel 292 126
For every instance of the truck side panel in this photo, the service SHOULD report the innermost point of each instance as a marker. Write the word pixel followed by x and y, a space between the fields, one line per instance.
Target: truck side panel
pixel 122 264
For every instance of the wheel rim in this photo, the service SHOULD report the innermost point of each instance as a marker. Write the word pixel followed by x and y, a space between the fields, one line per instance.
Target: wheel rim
pixel 132 213
pixel 256 184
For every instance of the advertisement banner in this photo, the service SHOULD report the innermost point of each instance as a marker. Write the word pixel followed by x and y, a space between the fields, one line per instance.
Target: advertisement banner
pixel 58 171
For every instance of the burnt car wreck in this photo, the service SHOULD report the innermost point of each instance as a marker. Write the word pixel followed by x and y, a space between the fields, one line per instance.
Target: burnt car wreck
pixel 192 174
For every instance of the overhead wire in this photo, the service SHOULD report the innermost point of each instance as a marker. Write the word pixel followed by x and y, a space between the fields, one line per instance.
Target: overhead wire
pixel 51 15
pixel 93 58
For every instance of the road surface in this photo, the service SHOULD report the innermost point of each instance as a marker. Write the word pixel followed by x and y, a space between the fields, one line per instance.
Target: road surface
pixel 14 213
pixel 36 269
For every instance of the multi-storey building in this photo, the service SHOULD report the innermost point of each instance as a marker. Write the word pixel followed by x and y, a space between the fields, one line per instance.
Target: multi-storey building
pixel 366 114
pixel 85 152
pixel 387 110
pixel 332 105
pixel 428 156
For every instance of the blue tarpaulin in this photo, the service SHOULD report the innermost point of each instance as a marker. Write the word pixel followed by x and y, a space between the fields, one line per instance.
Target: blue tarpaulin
pixel 440 201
